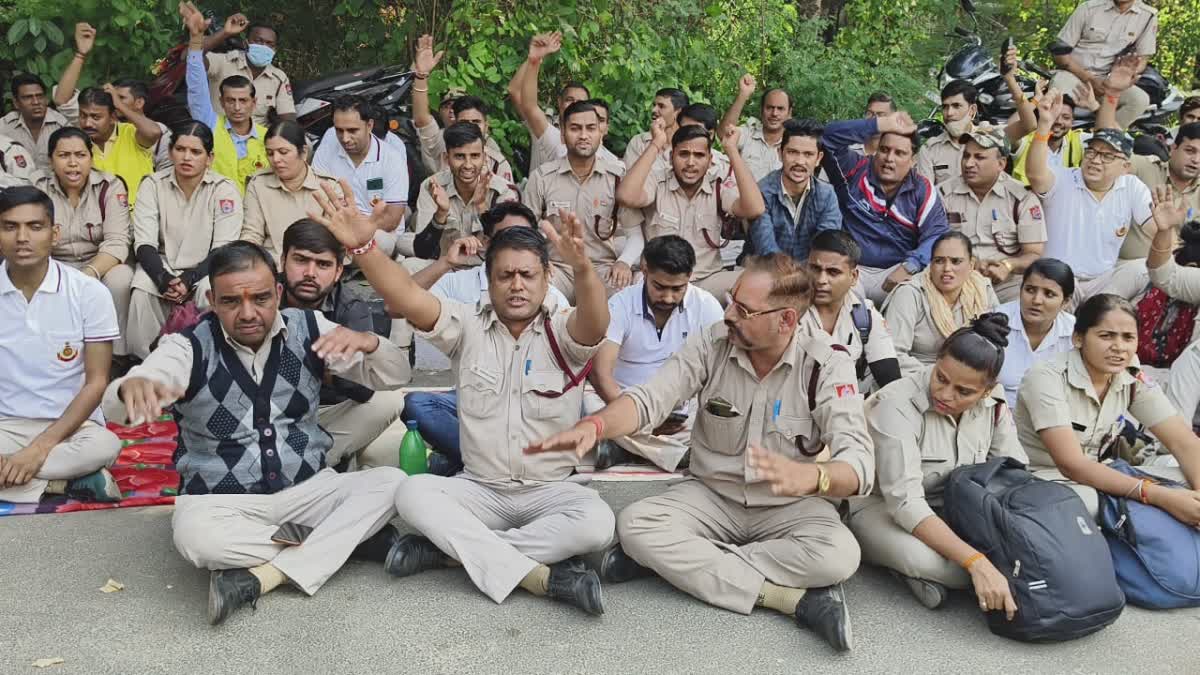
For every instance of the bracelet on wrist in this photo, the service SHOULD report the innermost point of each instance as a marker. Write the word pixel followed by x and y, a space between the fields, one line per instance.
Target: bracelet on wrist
pixel 596 422
pixel 364 249
pixel 971 560
pixel 81 56
pixel 1041 138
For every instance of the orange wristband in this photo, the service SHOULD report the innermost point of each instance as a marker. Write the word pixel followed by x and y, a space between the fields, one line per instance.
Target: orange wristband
pixel 1112 99
pixel 1145 497
pixel 966 564
pixel 596 422
pixel 1041 137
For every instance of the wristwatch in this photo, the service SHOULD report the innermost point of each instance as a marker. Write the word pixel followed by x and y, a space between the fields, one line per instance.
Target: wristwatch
pixel 823 480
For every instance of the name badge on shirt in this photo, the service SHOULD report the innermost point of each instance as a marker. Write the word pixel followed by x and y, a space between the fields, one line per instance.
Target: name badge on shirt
pixel 668 218
pixel 560 205
pixel 955 218
pixel 375 190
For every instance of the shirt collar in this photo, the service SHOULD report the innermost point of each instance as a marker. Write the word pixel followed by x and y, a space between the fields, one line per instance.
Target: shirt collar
pixel 673 185
pixel 253 129
pixel 51 283
pixel 1078 377
pixel 790 357
pixel 489 317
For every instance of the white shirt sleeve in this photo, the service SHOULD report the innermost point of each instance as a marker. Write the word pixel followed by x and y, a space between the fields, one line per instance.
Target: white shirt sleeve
pixel 325 151
pixel 395 178
pixel 618 316
pixel 1140 200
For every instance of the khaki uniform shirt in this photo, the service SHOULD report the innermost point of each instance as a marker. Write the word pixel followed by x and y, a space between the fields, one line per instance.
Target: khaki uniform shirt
pixel 16 164
pixel 662 163
pixel 554 186
pixel 940 159
pixel 433 152
pixel 1059 393
pixel 634 149
pixel 879 343
pixel 1099 31
pixel 917 447
pixel 1007 217
pixel 773 412
pixel 500 411
pixel 85 230
pixel 271 208
pixel 914 333
pixel 170 363
pixel 671 211
pixel 184 230
pixel 272 88
pixel 762 157
pixel 1154 172
pixel 13 126
pixel 463 219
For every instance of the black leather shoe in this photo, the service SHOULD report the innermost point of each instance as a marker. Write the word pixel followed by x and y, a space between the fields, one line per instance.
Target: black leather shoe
pixel 413 553
pixel 617 567
pixel 574 586
pixel 378 545
pixel 609 454
pixel 824 611
pixel 228 590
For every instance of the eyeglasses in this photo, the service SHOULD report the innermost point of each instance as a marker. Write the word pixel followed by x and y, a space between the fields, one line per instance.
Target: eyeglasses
pixel 744 313
pixel 1102 157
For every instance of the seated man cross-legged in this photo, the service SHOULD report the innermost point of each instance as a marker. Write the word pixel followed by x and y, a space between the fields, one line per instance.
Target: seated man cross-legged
pixel 520 358
pixel 57 327
pixel 752 527
pixel 245 383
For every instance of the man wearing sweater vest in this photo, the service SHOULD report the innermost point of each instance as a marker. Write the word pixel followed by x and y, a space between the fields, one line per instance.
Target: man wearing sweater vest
pixel 257 504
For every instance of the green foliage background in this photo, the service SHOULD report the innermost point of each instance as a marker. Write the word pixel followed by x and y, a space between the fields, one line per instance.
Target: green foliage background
pixel 830 54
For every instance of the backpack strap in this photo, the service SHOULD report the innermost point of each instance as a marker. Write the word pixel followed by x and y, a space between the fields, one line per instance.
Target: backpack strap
pixel 861 316
pixel 103 200
pixel 612 231
pixel 574 379
pixel 722 216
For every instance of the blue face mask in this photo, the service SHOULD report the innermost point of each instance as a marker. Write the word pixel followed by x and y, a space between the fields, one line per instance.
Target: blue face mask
pixel 260 56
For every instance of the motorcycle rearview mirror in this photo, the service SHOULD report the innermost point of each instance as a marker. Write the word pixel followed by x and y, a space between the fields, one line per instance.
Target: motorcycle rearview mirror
pixel 968 6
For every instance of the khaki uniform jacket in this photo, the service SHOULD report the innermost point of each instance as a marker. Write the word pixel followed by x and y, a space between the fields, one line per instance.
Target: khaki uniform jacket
pixel 86 229
pixel 773 412
pixel 17 166
pixel 433 153
pixel 184 230
pixel 917 447
pixel 671 211
pixel 463 219
pixel 13 126
pixel 1007 217
pixel 762 157
pixel 594 200
pixel 1059 393
pixel 1154 172
pixel 879 343
pixel 914 333
pixel 272 88
pixel 1098 31
pixel 940 159
pixel 500 379
pixel 271 208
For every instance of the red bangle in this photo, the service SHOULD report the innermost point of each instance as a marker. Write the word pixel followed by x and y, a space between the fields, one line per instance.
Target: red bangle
pixel 1145 497
pixel 1112 99
pixel 596 422
pixel 364 249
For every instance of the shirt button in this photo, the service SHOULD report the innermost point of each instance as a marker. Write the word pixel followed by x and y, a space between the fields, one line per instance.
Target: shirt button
pixel 267 432
pixel 271 475
pixel 270 453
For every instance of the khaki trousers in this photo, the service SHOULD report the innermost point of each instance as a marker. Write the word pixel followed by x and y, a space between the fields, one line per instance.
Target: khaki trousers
pixel 870 283
pixel 119 282
pixel 1091 499
pixel 664 451
pixel 357 426
pixel 1127 279
pixel 721 552
pixel 234 531
pixel 147 314
pixel 88 450
pixel 720 283
pixel 502 531
pixel 1130 106
pixel 886 544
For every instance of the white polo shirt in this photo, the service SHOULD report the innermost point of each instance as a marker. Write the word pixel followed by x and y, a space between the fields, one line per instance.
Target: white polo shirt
pixel 1019 357
pixel 643 348
pixel 470 285
pixel 1085 233
pixel 383 174
pixel 42 340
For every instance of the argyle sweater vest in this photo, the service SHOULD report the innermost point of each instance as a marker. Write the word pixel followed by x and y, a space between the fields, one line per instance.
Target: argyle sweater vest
pixel 237 436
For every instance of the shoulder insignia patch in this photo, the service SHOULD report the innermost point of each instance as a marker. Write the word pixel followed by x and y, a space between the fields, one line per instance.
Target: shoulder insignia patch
pixel 226 206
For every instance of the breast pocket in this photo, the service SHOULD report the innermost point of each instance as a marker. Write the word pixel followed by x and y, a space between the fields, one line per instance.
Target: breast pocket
pixel 722 435
pixel 479 391
pixel 663 224
pixel 794 436
pixel 1001 233
pixel 1094 36
pixel 542 397
pixel 65 348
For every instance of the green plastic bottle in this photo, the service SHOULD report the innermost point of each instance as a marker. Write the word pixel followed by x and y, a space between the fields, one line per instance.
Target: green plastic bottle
pixel 413 457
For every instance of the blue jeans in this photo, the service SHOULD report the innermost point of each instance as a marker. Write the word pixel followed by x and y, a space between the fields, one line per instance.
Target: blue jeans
pixel 436 415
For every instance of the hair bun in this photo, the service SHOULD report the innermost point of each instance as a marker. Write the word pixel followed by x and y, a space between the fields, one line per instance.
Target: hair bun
pixel 992 327
pixel 1190 232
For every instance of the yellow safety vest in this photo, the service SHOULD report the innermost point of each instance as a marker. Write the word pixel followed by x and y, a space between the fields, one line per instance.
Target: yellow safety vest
pixel 225 158
pixel 126 159
pixel 1072 144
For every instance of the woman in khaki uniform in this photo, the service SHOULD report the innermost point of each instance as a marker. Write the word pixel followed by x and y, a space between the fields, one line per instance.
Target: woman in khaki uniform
pixel 91 210
pixel 283 194
pixel 939 300
pixel 181 215
pixel 924 426
pixel 1071 410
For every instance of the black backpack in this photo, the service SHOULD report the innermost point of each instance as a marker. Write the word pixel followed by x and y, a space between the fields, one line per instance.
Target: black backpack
pixel 1039 534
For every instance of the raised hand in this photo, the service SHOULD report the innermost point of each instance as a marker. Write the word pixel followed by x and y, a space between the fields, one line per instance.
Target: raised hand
pixel 658 134
pixel 145 399
pixel 1010 59
pixel 441 200
pixel 578 439
pixel 463 250
pixel 340 215
pixel 747 85
pixel 1048 108
pixel 235 24
pixel 1085 96
pixel 1168 207
pixel 544 44
pixel 483 186
pixel 194 20
pixel 897 123
pixel 426 60
pixel 1122 76
pixel 85 38
pixel 567 239
pixel 729 139
pixel 341 343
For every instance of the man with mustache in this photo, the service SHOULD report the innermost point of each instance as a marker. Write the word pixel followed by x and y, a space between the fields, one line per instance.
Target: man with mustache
pixel 31 121
pixel 1002 218
pixel 245 386
pixel 668 101
pixel 358 418
pixel 124 149
pixel 798 206
pixel 893 212
pixel 760 141
pixel 771 399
